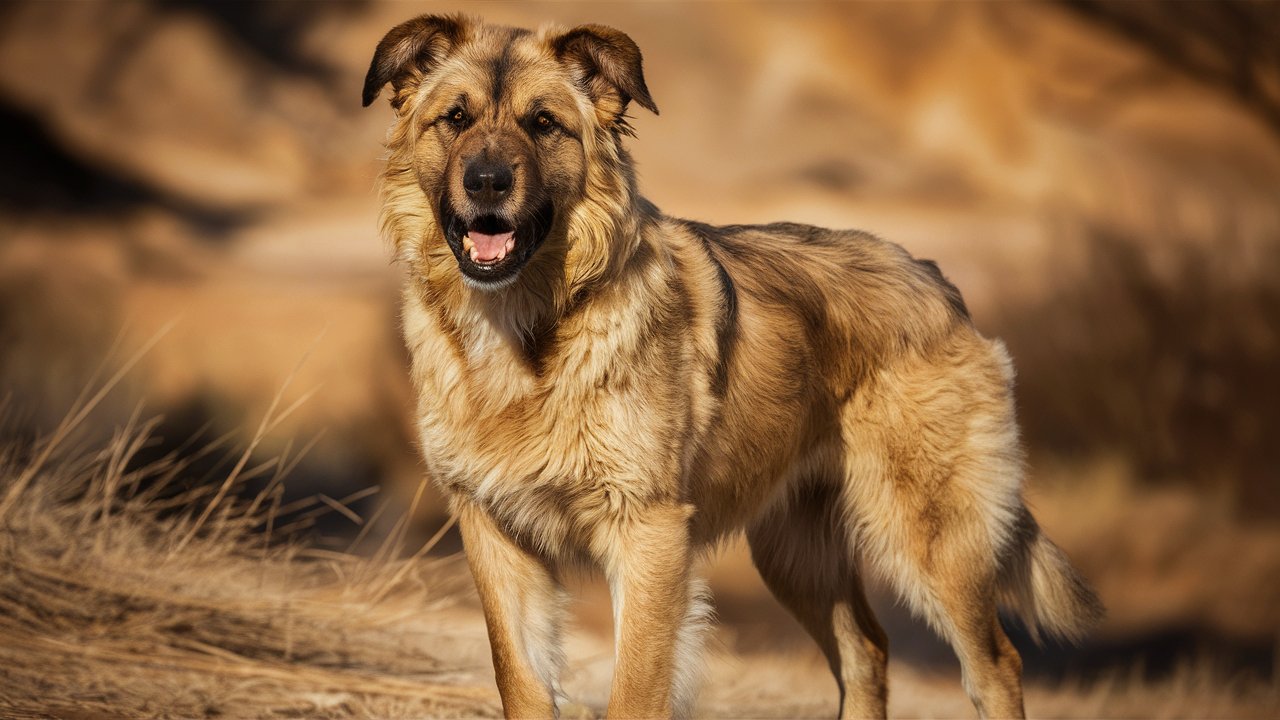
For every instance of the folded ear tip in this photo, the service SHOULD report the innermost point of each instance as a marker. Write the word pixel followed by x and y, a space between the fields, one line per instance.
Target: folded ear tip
pixel 373 82
pixel 405 44
pixel 644 100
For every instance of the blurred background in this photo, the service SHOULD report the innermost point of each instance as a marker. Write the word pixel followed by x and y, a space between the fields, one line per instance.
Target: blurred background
pixel 1101 180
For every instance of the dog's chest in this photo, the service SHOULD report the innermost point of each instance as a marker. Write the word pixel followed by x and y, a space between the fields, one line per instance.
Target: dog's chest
pixel 551 455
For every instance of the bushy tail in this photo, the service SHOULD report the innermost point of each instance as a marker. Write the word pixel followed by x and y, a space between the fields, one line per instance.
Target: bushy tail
pixel 1038 582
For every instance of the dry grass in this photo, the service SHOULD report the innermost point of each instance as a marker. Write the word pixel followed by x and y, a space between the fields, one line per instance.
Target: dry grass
pixel 120 597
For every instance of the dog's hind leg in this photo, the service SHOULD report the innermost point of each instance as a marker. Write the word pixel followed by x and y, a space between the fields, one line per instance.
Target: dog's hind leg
pixel 990 665
pixel 934 476
pixel 802 549
pixel 523 608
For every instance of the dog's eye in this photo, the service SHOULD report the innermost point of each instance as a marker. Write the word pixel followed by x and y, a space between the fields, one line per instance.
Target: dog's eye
pixel 544 122
pixel 456 117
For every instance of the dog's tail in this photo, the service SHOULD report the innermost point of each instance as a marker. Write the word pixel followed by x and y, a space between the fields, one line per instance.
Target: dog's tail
pixel 1039 584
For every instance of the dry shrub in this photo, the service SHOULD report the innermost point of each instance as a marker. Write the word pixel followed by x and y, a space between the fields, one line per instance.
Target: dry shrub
pixel 1163 354
pixel 119 598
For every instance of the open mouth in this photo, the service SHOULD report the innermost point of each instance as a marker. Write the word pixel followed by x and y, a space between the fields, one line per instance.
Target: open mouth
pixel 491 250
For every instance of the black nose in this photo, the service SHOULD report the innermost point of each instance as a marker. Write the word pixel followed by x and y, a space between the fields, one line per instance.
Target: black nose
pixel 486 180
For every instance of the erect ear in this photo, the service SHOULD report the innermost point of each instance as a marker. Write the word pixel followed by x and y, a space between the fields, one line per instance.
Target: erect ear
pixel 410 50
pixel 607 64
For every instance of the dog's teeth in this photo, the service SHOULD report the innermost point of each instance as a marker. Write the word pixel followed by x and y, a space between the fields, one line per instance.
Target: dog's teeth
pixel 511 245
pixel 467 244
pixel 475 254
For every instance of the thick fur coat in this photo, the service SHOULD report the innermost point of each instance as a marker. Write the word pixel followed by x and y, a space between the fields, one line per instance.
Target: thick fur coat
pixel 599 384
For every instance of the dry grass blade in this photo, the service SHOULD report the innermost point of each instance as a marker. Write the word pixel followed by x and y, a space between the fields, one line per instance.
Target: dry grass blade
pixel 111 606
pixel 409 564
pixel 79 411
pixel 269 420
pixel 341 506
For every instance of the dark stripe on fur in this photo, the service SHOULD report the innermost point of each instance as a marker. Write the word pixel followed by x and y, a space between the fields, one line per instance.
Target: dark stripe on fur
pixel 727 323
pixel 829 238
pixel 502 67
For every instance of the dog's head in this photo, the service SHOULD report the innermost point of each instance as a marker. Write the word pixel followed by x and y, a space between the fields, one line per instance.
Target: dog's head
pixel 498 127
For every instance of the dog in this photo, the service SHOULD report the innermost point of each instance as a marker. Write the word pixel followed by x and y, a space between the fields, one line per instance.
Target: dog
pixel 598 384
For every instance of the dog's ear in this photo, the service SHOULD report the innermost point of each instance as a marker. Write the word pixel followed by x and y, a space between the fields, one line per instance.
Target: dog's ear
pixel 607 64
pixel 412 49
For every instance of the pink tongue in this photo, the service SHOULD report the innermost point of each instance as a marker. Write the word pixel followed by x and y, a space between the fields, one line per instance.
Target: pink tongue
pixel 490 247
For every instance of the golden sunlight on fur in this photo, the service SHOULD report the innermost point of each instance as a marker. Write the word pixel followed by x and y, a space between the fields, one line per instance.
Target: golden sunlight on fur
pixel 602 385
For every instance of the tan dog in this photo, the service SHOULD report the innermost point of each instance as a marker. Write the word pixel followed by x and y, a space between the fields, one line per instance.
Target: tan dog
pixel 599 384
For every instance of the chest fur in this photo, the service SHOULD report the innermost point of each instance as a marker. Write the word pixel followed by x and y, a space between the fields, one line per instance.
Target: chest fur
pixel 597 427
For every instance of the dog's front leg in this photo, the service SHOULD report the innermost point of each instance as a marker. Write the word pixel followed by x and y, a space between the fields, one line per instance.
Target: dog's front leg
pixel 523 609
pixel 648 571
